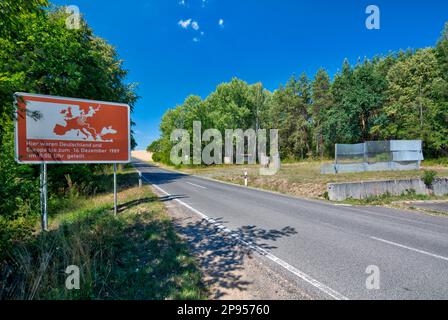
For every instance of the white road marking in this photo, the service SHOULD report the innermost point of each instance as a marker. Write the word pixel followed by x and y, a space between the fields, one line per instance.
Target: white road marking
pixel 332 293
pixel 196 185
pixel 410 248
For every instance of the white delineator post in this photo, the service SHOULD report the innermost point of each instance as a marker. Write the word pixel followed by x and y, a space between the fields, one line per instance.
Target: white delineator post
pixel 44 196
pixel 115 189
pixel 336 158
pixel 140 182
pixel 245 178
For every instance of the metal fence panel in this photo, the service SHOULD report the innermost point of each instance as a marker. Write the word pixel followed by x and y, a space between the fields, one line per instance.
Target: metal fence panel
pixel 376 156
pixel 406 145
pixel 378 151
pixel 407 156
pixel 350 153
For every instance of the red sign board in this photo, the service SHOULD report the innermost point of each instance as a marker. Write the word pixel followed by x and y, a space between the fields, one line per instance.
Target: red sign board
pixel 67 130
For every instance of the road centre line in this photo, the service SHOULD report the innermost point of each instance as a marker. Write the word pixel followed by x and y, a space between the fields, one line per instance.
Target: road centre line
pixel 196 185
pixel 410 248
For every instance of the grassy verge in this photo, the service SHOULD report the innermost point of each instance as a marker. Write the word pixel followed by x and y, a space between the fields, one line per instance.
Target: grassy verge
pixel 136 255
pixel 304 178
pixel 388 199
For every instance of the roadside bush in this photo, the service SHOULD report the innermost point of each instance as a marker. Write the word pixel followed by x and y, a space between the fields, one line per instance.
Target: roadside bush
pixel 19 196
pixel 136 255
pixel 428 178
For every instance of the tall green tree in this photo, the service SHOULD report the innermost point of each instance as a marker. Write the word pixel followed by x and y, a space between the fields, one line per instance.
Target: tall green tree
pixel 322 101
pixel 48 58
pixel 39 54
pixel 12 12
pixel 290 111
pixel 336 126
pixel 359 94
pixel 414 108
pixel 442 52
pixel 231 106
pixel 260 105
pixel 365 97
pixel 403 95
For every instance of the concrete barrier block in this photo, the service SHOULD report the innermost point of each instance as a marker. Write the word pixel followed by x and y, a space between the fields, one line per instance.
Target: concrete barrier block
pixel 366 189
pixel 440 187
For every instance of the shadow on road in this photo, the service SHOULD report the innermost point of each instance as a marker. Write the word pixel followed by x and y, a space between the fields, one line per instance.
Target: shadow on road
pixel 157 176
pixel 223 256
pixel 138 164
pixel 162 177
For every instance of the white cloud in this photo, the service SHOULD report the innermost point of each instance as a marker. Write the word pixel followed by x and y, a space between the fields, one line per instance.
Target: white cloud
pixel 221 23
pixel 184 24
pixel 182 3
pixel 196 39
pixel 195 25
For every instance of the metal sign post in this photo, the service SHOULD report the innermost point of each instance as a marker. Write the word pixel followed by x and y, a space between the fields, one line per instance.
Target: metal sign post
pixel 44 196
pixel 115 189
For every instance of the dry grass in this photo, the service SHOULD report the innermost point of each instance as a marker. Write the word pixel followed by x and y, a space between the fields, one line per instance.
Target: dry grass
pixel 302 178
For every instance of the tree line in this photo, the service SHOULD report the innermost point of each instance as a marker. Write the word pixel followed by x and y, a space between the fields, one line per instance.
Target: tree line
pixel 402 95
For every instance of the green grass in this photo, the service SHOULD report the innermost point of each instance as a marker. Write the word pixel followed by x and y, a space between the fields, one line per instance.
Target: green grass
pixel 136 255
pixel 390 199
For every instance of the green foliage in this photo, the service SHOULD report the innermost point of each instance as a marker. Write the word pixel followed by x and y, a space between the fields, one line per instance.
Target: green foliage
pixel 359 94
pixel 413 109
pixel 137 255
pixel 290 116
pixel 403 95
pixel 387 198
pixel 39 54
pixel 11 12
pixel 233 105
pixel 322 101
pixel 428 178
pixel 442 53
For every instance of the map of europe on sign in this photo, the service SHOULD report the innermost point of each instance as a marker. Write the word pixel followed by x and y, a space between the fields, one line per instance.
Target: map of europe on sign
pixel 71 122
pixel 64 130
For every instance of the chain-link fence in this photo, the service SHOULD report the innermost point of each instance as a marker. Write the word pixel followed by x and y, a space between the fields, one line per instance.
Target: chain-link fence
pixel 376 156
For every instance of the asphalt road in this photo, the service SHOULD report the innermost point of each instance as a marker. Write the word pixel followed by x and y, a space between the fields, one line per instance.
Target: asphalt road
pixel 324 247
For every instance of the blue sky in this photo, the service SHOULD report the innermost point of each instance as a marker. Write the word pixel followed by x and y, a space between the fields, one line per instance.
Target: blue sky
pixel 175 48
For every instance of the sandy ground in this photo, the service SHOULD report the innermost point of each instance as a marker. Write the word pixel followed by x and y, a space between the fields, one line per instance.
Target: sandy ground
pixel 142 155
pixel 231 270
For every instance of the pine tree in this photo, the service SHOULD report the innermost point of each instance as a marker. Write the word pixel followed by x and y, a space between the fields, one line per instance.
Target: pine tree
pixel 322 100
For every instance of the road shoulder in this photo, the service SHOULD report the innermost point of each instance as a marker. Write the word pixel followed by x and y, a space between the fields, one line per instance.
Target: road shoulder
pixel 231 270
